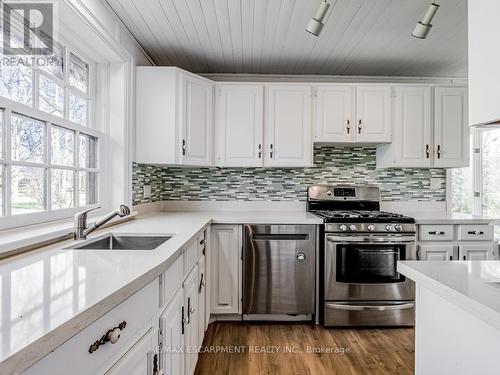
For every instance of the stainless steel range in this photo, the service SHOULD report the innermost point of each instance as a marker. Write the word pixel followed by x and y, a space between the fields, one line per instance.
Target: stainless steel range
pixel 360 282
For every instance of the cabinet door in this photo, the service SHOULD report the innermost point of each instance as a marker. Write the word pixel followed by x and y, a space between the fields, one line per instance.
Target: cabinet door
pixel 191 333
pixel 239 125
pixel 172 335
pixel 373 114
pixel 436 252
pixel 478 251
pixel 201 299
pixel 196 121
pixel 225 272
pixel 335 114
pixel 451 131
pixel 412 130
pixel 140 359
pixel 288 142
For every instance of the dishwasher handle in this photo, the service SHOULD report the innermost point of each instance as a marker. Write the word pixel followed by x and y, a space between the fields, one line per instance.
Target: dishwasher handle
pixel 280 237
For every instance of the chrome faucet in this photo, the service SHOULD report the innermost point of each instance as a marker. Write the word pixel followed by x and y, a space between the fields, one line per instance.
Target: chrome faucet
pixel 81 231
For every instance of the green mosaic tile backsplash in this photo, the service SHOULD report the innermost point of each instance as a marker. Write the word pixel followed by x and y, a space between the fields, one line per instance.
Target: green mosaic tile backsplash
pixel 332 165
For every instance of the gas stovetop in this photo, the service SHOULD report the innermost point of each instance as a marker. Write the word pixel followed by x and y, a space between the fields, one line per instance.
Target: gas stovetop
pixel 362 216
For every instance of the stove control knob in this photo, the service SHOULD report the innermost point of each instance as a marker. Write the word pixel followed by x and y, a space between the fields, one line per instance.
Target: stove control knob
pixel 398 228
pixel 371 227
pixel 388 228
pixel 353 227
pixel 343 227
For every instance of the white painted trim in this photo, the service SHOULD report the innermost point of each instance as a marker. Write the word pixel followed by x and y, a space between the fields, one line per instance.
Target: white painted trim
pixel 230 77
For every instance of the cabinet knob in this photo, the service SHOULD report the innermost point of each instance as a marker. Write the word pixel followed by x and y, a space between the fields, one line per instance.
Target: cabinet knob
pixel 112 336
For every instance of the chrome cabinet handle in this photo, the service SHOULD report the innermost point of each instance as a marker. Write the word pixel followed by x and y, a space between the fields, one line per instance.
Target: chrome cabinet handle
pixel 369 307
pixel 475 232
pixel 183 147
pixel 183 320
pixel 259 149
pixel 427 151
pixel 439 151
pixel 112 336
pixel 271 150
pixel 436 233
pixel 359 127
pixel 348 126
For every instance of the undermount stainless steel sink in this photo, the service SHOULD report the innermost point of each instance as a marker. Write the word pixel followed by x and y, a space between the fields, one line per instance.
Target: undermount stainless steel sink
pixel 113 241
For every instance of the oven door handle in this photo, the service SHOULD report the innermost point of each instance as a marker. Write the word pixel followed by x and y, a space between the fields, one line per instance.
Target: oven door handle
pixel 391 239
pixel 402 306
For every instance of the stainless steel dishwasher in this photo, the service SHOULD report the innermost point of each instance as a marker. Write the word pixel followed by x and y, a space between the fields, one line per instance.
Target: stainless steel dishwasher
pixel 279 270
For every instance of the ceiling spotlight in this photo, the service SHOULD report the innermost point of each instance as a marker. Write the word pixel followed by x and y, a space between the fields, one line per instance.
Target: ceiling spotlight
pixel 316 23
pixel 423 27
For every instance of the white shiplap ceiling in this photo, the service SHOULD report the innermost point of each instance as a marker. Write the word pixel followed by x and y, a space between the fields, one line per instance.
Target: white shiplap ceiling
pixel 361 37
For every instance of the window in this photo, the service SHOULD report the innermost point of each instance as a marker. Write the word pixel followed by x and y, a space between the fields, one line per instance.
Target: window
pixel 474 190
pixel 49 164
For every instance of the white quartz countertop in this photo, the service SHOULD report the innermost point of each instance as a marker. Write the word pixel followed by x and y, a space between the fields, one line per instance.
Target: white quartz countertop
pixel 50 294
pixel 471 285
pixel 443 218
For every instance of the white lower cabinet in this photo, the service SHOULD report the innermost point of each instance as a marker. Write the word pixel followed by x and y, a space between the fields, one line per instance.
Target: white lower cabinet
pixel 134 319
pixel 436 252
pixel 171 336
pixel 140 359
pixel 191 333
pixel 456 242
pixel 477 251
pixel 225 261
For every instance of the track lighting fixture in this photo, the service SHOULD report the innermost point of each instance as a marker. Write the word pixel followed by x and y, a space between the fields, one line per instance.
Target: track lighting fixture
pixel 316 23
pixel 423 27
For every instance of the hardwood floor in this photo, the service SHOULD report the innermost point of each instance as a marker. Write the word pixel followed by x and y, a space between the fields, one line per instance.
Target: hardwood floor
pixel 366 351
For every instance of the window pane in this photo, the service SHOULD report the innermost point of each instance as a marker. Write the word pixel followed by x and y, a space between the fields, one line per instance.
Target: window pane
pixel 51 97
pixel 62 188
pixel 62 146
pixel 88 188
pixel 55 62
pixel 78 73
pixel 27 190
pixel 16 83
pixel 27 142
pixel 490 173
pixel 462 194
pixel 78 109
pixel 88 151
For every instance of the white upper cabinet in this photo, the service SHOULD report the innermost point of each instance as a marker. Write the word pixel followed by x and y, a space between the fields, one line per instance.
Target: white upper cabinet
pixel 173 117
pixel 413 130
pixel 373 114
pixel 335 114
pixel 484 54
pixel 451 133
pixel 239 125
pixel 288 140
pixel 353 114
pixel 196 120
pixel 430 129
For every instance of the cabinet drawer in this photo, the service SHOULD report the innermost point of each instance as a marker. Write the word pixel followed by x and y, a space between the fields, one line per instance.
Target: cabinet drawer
pixel 435 233
pixel 73 356
pixel 171 280
pixel 475 232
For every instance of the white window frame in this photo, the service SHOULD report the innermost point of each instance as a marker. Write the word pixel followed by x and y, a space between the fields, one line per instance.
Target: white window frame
pixel 477 177
pixel 92 129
